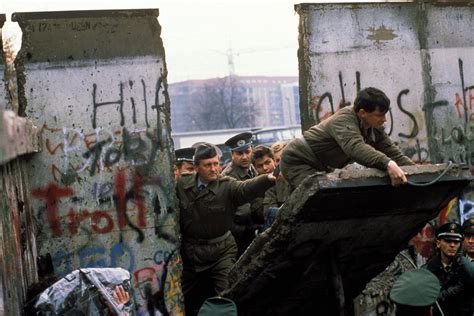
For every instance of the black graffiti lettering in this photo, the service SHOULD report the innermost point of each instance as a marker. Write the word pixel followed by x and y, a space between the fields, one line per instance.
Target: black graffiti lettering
pixel 95 152
pixel 112 156
pixel 320 101
pixel 157 93
pixel 414 131
pixel 431 106
pixel 155 146
pixel 96 105
pixel 343 102
pixel 390 114
pixel 445 140
pixel 144 101
pixel 130 196
pixel 461 75
pixel 457 135
pixel 358 81
pixel 133 146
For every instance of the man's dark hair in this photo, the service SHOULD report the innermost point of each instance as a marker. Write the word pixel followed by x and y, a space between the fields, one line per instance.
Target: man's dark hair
pixel 371 98
pixel 204 151
pixel 261 151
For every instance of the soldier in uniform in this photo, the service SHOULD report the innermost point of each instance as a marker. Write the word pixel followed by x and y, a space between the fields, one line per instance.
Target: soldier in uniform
pixel 241 168
pixel 455 272
pixel 184 162
pixel 207 203
pixel 351 134
pixel 415 292
pixel 468 242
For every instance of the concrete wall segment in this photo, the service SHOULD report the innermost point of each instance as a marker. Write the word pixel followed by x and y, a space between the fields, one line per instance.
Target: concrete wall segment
pixel 17 238
pixel 102 188
pixel 415 52
pixel 3 91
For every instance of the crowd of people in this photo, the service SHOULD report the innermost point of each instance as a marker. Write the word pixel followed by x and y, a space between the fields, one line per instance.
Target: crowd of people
pixel 223 207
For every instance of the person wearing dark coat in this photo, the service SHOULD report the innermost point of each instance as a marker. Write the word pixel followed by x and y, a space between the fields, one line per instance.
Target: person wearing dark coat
pixel 207 205
pixel 454 272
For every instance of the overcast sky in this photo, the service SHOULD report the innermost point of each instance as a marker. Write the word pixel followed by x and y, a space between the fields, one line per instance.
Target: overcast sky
pixel 199 35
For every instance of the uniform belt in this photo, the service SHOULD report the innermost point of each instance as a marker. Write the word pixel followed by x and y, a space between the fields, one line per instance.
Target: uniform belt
pixel 209 241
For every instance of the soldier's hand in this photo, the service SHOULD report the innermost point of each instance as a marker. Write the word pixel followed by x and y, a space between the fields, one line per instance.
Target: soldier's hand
pixel 397 175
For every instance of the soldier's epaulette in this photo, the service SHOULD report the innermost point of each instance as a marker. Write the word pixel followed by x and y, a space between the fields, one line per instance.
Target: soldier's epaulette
pixel 225 178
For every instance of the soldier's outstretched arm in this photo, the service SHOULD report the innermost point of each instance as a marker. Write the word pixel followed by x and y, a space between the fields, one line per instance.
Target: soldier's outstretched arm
pixel 245 191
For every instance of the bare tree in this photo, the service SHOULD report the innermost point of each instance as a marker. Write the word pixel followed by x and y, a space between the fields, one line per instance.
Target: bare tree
pixel 223 104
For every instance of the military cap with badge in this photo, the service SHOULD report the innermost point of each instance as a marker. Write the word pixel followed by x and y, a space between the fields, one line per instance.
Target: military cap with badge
pixel 185 154
pixel 468 226
pixel 450 232
pixel 240 142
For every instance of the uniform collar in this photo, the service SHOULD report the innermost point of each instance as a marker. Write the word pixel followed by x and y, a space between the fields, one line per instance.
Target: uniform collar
pixel 192 181
pixel 244 172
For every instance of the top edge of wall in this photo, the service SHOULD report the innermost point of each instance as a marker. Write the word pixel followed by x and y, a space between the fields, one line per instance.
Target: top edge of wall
pixel 45 15
pixel 355 5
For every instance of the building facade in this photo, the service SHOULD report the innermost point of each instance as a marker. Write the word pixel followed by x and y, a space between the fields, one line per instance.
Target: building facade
pixel 273 101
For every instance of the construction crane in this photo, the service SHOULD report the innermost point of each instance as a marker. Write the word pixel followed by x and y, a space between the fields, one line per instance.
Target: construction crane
pixel 231 54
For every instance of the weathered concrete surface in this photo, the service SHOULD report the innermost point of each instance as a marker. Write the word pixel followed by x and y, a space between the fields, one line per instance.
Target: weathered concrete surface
pixel 102 188
pixel 17 240
pixel 17 237
pixel 420 54
pixel 18 136
pixel 351 221
pixel 3 91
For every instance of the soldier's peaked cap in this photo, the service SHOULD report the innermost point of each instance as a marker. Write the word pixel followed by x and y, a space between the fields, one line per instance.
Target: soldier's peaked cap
pixel 418 287
pixel 449 231
pixel 240 142
pixel 468 226
pixel 185 154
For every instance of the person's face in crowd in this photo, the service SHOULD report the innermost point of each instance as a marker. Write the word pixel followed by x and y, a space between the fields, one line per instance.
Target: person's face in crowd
pixel 468 244
pixel 242 158
pixel 264 165
pixel 208 169
pixel 186 167
pixel 448 248
pixel 276 157
pixel 375 119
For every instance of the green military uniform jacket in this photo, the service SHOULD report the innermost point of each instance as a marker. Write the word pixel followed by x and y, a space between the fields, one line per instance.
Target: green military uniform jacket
pixel 334 143
pixel 341 139
pixel 276 195
pixel 249 213
pixel 209 213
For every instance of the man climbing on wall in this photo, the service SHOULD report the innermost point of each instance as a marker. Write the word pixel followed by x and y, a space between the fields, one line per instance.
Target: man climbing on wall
pixel 207 204
pixel 352 134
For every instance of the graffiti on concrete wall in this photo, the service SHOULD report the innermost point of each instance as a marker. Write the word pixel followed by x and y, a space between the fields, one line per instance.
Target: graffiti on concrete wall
pixel 102 187
pixel 106 202
pixel 413 117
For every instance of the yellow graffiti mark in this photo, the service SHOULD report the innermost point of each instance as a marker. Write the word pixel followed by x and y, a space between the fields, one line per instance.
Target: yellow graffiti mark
pixel 381 34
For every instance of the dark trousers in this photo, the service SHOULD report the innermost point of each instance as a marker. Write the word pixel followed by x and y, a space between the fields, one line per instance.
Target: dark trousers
pixel 205 270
